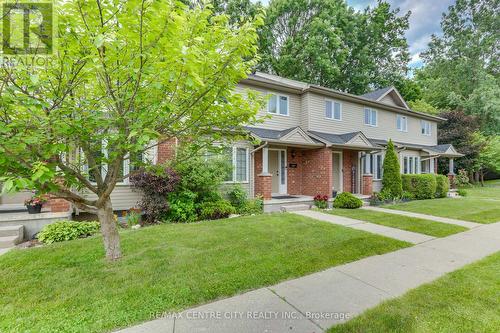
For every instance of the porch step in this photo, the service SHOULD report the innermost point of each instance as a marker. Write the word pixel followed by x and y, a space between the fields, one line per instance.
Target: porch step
pixel 11 235
pixel 295 208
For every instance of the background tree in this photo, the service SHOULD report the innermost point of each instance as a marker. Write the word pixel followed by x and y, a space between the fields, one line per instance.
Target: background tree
pixel 127 74
pixel 489 155
pixel 327 43
pixel 461 66
pixel 391 179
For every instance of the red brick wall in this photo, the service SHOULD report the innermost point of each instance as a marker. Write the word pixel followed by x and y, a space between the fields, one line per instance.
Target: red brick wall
pixel 294 175
pixel 58 205
pixel 263 186
pixel 367 185
pixel 166 150
pixel 317 172
pixel 349 158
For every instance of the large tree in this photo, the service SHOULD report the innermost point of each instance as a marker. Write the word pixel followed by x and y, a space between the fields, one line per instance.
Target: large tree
pixel 327 43
pixel 462 66
pixel 126 76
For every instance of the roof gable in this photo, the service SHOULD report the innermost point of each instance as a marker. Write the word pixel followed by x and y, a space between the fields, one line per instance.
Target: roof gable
pixel 297 135
pixel 387 95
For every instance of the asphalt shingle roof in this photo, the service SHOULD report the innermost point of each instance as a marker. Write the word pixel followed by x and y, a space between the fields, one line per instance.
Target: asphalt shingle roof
pixel 375 95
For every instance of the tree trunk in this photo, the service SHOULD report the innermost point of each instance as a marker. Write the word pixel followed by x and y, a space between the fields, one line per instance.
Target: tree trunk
pixel 482 177
pixel 109 231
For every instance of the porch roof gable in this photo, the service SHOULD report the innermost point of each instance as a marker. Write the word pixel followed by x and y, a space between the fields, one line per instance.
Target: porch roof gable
pixel 294 135
pixel 353 139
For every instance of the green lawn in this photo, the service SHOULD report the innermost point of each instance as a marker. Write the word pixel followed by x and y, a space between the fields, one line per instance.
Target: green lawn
pixel 482 205
pixel 422 226
pixel 69 287
pixel 466 301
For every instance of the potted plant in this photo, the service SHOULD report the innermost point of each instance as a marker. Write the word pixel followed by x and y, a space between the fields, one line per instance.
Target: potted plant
pixel 34 204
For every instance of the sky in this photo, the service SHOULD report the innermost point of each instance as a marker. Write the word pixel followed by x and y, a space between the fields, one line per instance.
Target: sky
pixel 424 21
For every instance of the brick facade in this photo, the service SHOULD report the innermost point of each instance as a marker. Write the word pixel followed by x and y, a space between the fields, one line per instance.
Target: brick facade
pixel 294 175
pixel 317 172
pixel 166 150
pixel 58 205
pixel 349 160
pixel 262 182
pixel 367 185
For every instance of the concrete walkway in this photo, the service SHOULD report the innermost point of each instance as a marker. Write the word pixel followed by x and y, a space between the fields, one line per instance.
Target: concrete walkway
pixel 407 236
pixel 315 302
pixel 466 224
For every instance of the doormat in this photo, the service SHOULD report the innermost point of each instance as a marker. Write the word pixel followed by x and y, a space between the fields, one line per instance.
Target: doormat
pixel 284 197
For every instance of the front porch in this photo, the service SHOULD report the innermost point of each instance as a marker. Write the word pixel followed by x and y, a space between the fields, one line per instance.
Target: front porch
pixel 297 202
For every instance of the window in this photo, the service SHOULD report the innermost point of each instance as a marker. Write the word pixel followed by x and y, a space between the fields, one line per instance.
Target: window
pixel 425 127
pixel 333 110
pixel 238 157
pixel 373 165
pixel 401 123
pixel 370 117
pixel 411 165
pixel 278 104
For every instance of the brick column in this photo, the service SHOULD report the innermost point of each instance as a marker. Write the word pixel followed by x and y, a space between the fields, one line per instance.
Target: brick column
pixel 167 150
pixel 451 178
pixel 347 159
pixel 367 185
pixel 263 186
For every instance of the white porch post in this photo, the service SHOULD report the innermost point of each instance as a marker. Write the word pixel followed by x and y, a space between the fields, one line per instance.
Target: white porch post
pixel 265 159
pixel 431 165
pixel 451 167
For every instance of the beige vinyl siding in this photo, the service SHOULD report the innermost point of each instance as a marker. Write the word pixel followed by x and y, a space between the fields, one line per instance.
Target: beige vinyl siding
pixel 377 185
pixel 353 120
pixel 389 100
pixel 277 121
pixel 304 115
pixel 123 197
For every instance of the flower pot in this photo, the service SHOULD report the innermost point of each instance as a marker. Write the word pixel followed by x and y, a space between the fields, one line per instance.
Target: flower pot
pixel 34 209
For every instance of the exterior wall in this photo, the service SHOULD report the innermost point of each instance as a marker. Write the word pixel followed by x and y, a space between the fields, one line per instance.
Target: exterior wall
pixel 367 188
pixel 294 175
pixel 388 100
pixel 317 172
pixel 276 121
pixel 349 159
pixel 59 205
pixel 166 150
pixel 123 197
pixel 353 120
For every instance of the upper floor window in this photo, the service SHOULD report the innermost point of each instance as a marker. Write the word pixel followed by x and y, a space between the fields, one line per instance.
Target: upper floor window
pixel 402 123
pixel 333 110
pixel 278 104
pixel 370 117
pixel 238 157
pixel 425 127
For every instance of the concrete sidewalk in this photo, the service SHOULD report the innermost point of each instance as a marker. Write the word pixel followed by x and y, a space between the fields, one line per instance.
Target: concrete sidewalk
pixel 403 235
pixel 466 224
pixel 315 302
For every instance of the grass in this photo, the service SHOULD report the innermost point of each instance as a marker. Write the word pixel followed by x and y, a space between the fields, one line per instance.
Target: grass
pixel 427 227
pixel 69 287
pixel 478 206
pixel 466 300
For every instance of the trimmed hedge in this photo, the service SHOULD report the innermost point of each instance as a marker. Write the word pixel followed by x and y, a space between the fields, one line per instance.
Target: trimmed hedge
pixel 421 186
pixel 442 186
pixel 347 200
pixel 67 230
pixel 216 210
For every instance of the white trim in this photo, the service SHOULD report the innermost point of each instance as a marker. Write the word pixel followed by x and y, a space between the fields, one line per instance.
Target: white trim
pixel 299 131
pixel 423 126
pixel 234 165
pixel 333 101
pixel 278 95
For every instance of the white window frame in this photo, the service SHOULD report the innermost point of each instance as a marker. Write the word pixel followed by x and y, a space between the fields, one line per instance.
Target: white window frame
pixel 233 164
pixel 424 125
pixel 327 100
pixel 403 120
pixel 278 108
pixel 371 167
pixel 412 165
pixel 370 118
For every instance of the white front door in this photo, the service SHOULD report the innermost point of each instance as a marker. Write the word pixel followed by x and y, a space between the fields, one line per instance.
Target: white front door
pixel 277 168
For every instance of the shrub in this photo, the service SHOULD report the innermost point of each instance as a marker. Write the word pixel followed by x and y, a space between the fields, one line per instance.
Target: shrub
pixel 421 186
pixel 253 206
pixel 238 197
pixel 67 230
pixel 216 210
pixel 321 201
pixel 462 179
pixel 442 186
pixel 462 192
pixel 407 196
pixel 347 200
pixel 133 217
pixel 155 186
pixel 391 179
pixel 182 207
